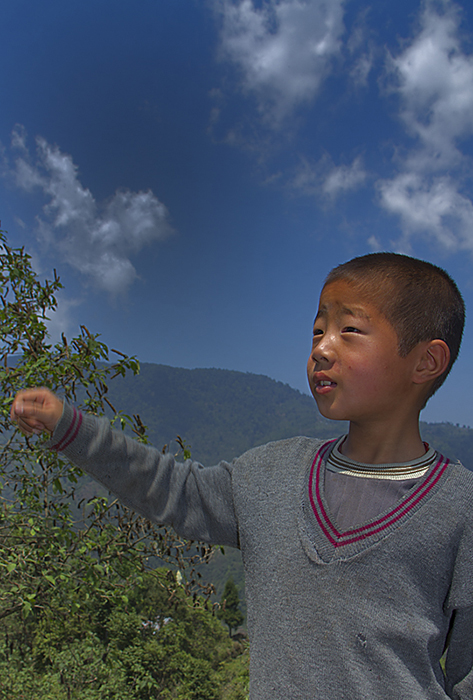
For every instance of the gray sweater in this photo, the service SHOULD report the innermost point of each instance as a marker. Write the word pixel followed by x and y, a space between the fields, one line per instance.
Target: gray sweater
pixel 356 615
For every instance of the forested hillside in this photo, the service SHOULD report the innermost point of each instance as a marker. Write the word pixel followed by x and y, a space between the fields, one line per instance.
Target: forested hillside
pixel 222 413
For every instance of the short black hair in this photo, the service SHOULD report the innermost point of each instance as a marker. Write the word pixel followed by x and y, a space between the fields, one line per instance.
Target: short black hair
pixel 420 300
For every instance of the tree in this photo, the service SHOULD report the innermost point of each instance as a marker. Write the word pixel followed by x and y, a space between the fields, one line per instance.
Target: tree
pixel 56 541
pixel 230 612
pixel 78 576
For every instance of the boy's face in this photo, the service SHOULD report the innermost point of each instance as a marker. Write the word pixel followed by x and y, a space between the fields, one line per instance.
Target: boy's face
pixel 355 371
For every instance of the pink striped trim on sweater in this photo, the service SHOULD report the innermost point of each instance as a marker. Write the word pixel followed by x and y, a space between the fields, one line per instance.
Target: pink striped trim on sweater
pixel 339 539
pixel 71 433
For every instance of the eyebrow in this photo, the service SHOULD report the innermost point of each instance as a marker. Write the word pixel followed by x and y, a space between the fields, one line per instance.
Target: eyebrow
pixel 355 312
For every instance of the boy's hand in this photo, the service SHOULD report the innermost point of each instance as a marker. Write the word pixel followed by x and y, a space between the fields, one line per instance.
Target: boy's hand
pixel 35 410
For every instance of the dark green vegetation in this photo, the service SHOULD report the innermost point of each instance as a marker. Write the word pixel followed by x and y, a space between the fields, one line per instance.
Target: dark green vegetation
pixel 229 611
pixel 225 563
pixel 154 645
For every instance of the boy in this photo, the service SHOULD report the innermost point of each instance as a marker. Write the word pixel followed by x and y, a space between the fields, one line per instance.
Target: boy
pixel 357 551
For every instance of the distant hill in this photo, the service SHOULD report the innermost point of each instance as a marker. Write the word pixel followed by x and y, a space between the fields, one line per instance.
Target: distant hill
pixel 221 413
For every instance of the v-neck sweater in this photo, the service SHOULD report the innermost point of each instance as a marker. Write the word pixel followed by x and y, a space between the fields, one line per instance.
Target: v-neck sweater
pixel 355 615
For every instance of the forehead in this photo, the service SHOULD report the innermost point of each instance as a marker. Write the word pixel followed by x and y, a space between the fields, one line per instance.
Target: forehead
pixel 342 298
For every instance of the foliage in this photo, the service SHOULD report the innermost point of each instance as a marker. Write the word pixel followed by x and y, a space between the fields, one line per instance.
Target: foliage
pixel 230 612
pixel 117 651
pixel 225 563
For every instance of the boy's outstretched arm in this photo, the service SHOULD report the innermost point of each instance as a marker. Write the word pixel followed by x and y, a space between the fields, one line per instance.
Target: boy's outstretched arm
pixel 35 410
pixel 196 501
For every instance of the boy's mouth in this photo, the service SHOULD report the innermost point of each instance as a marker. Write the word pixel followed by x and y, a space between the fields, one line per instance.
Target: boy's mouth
pixel 322 386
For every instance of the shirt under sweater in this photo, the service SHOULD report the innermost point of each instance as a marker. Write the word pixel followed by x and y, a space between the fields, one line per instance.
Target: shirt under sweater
pixel 333 614
pixel 357 492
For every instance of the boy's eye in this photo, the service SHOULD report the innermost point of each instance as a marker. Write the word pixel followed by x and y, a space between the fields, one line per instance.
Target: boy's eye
pixel 351 329
pixel 317 331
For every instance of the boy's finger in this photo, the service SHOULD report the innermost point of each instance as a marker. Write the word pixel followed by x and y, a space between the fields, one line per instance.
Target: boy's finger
pixel 29 428
pixel 29 402
pixel 26 408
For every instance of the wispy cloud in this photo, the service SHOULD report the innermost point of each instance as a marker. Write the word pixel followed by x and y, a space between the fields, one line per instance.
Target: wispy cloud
pixel 282 49
pixel 435 82
pixel 326 179
pixel 98 240
pixel 361 50
pixel 344 178
pixel 433 78
pixel 432 206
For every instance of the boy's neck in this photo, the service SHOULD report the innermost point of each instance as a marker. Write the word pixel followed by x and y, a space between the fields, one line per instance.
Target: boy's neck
pixel 374 444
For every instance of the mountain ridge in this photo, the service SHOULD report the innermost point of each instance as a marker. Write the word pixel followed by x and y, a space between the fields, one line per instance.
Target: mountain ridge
pixel 222 413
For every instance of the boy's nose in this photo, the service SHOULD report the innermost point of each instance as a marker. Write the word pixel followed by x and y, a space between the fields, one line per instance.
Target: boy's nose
pixel 324 350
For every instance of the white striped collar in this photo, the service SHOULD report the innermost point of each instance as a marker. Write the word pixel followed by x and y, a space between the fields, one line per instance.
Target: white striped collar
pixel 336 462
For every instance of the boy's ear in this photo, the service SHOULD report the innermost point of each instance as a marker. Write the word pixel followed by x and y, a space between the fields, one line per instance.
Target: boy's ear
pixel 433 361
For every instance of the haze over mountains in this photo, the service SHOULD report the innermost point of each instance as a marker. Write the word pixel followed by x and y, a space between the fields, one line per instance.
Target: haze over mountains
pixel 221 413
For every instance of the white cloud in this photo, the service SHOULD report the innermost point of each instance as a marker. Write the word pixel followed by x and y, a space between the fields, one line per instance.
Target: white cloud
pixel 343 178
pixel 433 78
pixel 283 48
pixel 361 69
pixel 374 244
pixel 324 178
pixel 19 222
pixel 96 240
pixel 433 207
pixel 435 82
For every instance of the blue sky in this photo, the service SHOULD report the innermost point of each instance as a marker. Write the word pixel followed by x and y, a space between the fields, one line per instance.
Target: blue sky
pixel 194 168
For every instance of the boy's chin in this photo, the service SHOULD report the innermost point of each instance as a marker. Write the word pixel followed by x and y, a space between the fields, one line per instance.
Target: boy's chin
pixel 325 406
pixel 327 411
pixel 324 410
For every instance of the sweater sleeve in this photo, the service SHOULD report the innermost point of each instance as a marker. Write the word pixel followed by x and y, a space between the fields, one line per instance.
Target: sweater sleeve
pixel 197 501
